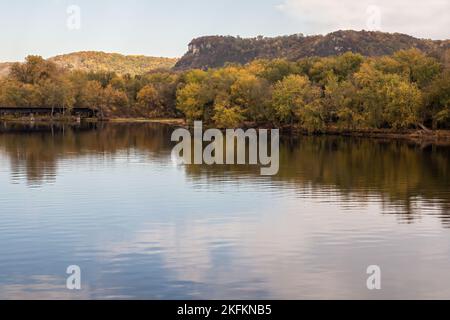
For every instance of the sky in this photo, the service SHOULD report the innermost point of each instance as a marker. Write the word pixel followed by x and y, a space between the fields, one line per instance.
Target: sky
pixel 165 27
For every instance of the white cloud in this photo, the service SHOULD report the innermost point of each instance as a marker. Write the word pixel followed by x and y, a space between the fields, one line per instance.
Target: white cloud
pixel 421 18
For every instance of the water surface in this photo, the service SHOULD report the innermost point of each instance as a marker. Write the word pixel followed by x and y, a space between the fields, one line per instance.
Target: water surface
pixel 110 199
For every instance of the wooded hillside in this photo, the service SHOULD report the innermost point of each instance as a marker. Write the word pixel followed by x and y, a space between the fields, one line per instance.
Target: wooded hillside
pixel 93 61
pixel 216 51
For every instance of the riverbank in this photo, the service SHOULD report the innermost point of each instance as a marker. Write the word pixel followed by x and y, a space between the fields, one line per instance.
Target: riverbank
pixel 169 121
pixel 416 135
pixel 74 120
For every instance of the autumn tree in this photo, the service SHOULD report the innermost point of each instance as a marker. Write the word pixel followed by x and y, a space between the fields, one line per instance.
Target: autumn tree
pixel 387 100
pixel 227 115
pixel 17 94
pixel 192 100
pixel 322 70
pixel 34 70
pixel 400 91
pixel 103 77
pixel 149 100
pixel 277 69
pixel 113 101
pixel 340 104
pixel 252 95
pixel 436 108
pixel 91 96
pixel 57 94
pixel 420 69
pixel 166 85
pixel 295 99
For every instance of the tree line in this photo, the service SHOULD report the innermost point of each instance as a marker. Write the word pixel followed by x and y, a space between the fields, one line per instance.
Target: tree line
pixel 403 91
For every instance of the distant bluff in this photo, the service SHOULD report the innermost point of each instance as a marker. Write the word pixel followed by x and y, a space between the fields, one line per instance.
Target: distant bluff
pixel 216 51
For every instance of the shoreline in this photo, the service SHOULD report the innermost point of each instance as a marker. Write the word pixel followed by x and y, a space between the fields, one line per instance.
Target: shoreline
pixel 169 121
pixel 411 134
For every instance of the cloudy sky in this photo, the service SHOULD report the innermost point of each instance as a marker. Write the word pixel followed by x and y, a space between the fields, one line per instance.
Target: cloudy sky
pixel 165 27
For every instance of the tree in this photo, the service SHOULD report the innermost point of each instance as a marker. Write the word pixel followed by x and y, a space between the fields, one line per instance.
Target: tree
pixel 387 64
pixel 18 94
pixel 322 70
pixel 403 100
pixel 276 70
pixel 114 101
pixel 57 94
pixel 103 77
pixel 34 69
pixel 148 99
pixel 165 83
pixel 347 64
pixel 340 104
pixel 225 114
pixel 295 99
pixel 311 116
pixel 399 91
pixel 191 100
pixel 388 100
pixel 194 76
pixel 418 67
pixel 92 97
pixel 118 83
pixel 252 95
pixel 436 108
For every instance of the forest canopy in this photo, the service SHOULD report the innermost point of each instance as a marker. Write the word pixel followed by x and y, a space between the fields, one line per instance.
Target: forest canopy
pixel 408 89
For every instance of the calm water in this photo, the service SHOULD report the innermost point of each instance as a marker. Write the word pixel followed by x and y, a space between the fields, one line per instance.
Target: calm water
pixel 110 199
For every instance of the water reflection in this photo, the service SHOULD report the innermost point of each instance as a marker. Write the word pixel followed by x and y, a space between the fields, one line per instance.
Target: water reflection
pixel 108 198
pixel 401 173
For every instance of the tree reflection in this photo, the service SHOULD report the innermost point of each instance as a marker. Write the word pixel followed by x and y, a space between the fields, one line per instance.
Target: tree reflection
pixel 405 175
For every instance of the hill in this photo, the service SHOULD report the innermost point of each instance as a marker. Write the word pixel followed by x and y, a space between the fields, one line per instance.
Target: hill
pixel 121 64
pixel 4 68
pixel 216 51
pixel 101 61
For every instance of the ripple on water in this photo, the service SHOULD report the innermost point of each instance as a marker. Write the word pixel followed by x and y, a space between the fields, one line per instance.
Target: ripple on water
pixel 142 227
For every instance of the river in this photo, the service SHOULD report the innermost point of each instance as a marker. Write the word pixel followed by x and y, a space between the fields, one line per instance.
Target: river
pixel 110 199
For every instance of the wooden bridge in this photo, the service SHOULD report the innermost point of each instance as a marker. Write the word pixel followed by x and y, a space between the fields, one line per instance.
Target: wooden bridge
pixel 47 111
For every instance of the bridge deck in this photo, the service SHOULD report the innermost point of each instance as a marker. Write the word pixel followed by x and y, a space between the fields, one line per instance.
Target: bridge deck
pixel 46 111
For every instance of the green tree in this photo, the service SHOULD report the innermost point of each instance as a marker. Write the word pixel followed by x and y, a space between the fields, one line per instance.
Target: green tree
pixel 277 69
pixel 166 84
pixel 421 68
pixel 296 99
pixel 322 70
pixel 347 64
pixel 252 95
pixel 387 100
pixel 436 108
pixel 192 101
pixel 225 114
pixel 340 104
